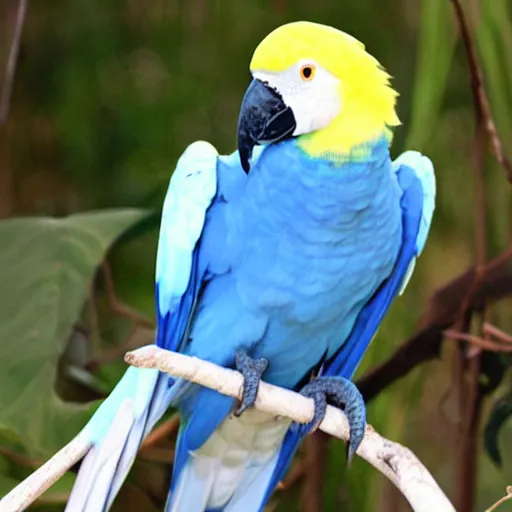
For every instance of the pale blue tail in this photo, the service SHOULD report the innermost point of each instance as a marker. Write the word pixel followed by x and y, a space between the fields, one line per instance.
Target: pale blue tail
pixel 116 431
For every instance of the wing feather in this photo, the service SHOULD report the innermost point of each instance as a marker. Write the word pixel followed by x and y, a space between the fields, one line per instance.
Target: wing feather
pixel 149 393
pixel 192 189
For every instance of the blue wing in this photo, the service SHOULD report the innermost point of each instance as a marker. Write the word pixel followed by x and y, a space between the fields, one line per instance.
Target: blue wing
pixel 415 174
pixel 178 277
pixel 416 178
pixel 142 396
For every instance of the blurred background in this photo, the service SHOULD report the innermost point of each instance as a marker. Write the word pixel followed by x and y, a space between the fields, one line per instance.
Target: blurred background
pixel 105 98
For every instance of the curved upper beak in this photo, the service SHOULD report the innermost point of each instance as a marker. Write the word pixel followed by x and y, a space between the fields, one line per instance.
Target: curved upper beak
pixel 264 118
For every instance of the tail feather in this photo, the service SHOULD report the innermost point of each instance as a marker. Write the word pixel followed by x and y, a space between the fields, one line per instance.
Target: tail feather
pixel 99 466
pixel 253 489
pixel 197 479
pixel 116 431
pixel 232 470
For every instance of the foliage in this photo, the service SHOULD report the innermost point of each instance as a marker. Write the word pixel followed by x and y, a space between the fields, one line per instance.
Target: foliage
pixel 51 263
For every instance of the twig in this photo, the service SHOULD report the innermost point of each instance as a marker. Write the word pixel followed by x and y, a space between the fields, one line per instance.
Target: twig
pixel 441 312
pixel 161 455
pixel 117 306
pixel 315 450
pixel 164 430
pixel 478 89
pixel 5 99
pixel 502 500
pixel 396 462
pixel 482 343
pixel 466 461
pixel 467 464
pixel 138 337
pixel 293 476
pixel 20 459
pixel 43 478
pixel 492 330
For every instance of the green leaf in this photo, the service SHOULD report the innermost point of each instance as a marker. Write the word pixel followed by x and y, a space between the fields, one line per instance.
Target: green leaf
pixel 499 414
pixel 148 223
pixel 47 267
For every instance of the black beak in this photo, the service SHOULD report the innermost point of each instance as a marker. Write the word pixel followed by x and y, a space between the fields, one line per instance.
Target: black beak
pixel 264 118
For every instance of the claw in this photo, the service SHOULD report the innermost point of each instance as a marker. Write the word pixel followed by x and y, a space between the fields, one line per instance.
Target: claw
pixel 340 392
pixel 252 370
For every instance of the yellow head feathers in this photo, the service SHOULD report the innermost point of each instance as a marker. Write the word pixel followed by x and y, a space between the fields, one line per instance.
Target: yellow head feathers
pixel 334 49
pixel 367 100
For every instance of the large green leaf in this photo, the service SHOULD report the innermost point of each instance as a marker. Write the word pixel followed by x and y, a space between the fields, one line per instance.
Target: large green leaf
pixel 46 269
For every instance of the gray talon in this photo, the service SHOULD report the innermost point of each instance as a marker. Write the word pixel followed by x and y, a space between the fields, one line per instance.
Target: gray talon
pixel 252 370
pixel 340 392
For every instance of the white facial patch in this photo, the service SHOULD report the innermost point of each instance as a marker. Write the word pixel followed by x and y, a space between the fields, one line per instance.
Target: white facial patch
pixel 315 102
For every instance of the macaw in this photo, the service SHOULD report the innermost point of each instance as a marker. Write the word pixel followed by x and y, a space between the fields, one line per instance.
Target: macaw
pixel 279 260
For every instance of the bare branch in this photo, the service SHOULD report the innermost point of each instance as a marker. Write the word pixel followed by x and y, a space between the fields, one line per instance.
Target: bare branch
pixel 293 476
pixel 20 459
pixel 396 462
pixel 166 429
pixel 118 307
pixel 500 502
pixel 479 93
pixel 442 310
pixel 477 341
pixel 315 451
pixel 42 479
pixel 493 331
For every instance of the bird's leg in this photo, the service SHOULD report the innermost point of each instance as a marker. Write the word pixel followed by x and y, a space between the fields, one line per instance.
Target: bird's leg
pixel 339 392
pixel 252 370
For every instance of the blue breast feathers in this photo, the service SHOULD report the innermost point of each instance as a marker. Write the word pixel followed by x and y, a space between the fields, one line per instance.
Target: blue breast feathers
pixel 415 175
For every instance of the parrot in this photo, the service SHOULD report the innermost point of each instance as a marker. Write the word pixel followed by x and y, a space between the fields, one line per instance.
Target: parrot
pixel 279 260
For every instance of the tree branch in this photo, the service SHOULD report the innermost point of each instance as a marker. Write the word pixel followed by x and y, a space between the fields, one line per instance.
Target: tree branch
pixel 441 313
pixel 478 89
pixel 118 307
pixel 165 430
pixel 396 462
pixel 315 451
pixel 500 502
pixel 43 478
pixel 393 460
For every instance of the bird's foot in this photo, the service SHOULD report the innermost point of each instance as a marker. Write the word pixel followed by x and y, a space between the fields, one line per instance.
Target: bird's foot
pixel 340 392
pixel 252 370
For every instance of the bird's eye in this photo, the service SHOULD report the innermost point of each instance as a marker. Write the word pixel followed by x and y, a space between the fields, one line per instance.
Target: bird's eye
pixel 307 72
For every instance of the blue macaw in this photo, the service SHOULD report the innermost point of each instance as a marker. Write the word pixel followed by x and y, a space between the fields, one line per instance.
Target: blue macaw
pixel 279 260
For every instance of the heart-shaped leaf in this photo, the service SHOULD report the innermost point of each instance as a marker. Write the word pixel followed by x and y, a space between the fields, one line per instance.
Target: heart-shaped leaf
pixel 46 267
